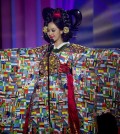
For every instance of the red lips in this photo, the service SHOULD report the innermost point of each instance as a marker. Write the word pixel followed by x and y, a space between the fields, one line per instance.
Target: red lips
pixel 51 37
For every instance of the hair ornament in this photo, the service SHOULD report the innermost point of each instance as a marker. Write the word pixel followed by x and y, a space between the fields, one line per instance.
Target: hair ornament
pixel 56 14
pixel 66 30
pixel 45 28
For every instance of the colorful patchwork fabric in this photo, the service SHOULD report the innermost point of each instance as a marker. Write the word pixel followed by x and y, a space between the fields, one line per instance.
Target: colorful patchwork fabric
pixel 24 83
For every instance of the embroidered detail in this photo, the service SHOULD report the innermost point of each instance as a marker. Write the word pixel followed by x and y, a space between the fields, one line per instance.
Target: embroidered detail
pixel 66 30
pixel 54 64
pixel 45 29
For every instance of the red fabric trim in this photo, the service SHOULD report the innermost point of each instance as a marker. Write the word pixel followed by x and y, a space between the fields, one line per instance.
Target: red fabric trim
pixel 64 68
pixel 72 110
pixel 25 129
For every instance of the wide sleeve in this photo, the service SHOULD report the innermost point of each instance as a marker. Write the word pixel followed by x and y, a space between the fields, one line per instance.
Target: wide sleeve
pixel 19 70
pixel 97 83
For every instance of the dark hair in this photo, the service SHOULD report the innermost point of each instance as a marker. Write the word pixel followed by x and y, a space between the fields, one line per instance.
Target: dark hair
pixel 62 18
pixel 107 124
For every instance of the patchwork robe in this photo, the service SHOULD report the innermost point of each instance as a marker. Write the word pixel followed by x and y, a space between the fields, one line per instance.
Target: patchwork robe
pixel 24 88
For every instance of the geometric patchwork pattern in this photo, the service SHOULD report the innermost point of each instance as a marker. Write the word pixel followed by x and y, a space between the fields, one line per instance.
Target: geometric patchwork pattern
pixel 96 76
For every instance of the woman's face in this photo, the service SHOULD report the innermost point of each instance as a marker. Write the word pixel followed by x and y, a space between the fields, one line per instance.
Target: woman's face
pixel 54 33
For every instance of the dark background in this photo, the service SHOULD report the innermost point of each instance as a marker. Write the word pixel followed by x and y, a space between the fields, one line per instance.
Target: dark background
pixel 21 22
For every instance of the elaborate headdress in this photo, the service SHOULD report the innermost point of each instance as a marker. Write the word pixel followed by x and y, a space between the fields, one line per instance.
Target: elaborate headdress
pixel 68 20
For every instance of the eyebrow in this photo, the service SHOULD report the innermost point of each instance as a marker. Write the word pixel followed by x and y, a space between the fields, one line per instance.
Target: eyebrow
pixel 51 28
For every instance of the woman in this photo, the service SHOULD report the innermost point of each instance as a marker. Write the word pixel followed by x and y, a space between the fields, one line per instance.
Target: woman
pixel 58 27
pixel 64 97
